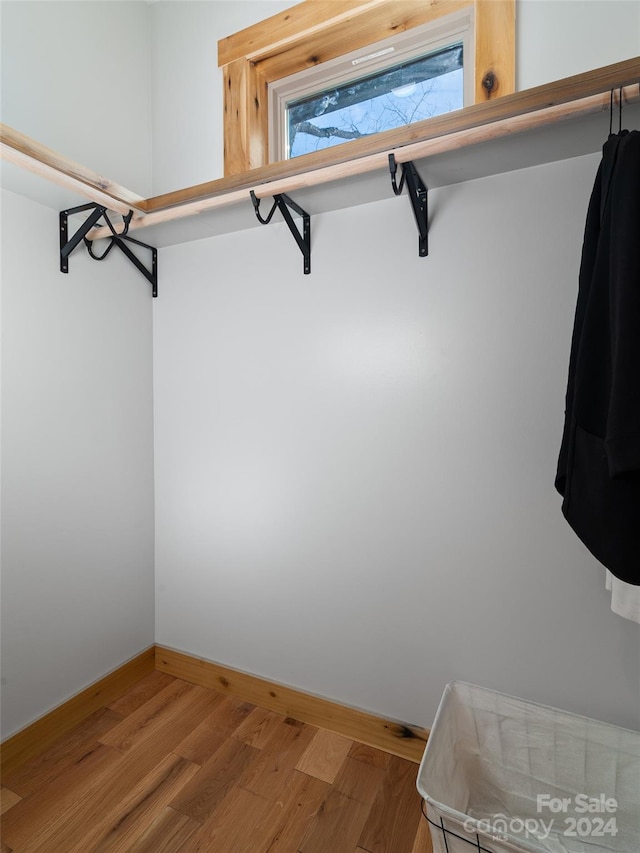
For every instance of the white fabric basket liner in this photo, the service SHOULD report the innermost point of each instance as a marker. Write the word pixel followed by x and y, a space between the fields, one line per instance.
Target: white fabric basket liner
pixel 489 756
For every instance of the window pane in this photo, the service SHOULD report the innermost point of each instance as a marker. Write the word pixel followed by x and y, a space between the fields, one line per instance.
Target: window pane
pixel 394 97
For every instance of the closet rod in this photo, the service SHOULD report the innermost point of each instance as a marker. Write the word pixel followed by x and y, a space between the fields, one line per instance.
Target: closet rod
pixel 413 151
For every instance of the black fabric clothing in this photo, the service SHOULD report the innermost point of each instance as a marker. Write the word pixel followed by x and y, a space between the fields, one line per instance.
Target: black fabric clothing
pixel 599 464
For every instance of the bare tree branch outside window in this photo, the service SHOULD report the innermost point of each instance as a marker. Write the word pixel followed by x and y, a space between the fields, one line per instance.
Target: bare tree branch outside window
pixel 411 92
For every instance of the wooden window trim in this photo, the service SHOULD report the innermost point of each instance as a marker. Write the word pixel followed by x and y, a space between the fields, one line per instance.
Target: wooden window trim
pixel 316 31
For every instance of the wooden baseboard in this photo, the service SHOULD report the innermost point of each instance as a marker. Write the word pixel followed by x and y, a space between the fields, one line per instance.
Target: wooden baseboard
pixel 397 738
pixel 39 735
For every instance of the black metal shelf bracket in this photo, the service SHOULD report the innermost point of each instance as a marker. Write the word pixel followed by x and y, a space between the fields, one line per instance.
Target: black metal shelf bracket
pixel 283 203
pixel 418 195
pixel 68 244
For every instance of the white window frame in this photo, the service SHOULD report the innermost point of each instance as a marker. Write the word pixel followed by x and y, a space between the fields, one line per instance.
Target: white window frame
pixel 387 53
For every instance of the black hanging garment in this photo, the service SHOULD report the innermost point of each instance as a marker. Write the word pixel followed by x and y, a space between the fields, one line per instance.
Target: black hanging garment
pixel 599 465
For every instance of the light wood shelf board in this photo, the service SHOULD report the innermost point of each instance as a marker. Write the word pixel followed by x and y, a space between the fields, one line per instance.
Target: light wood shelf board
pixel 539 125
pixel 422 150
pixel 529 103
pixel 21 150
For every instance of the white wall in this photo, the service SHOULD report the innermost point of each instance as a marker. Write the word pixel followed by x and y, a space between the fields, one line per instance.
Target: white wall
pixel 560 38
pixel 77 443
pixel 77 465
pixel 348 497
pixel 354 470
pixel 76 77
pixel 187 85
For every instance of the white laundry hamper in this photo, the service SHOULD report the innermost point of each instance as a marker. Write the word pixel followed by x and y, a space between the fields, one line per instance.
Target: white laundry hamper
pixel 500 774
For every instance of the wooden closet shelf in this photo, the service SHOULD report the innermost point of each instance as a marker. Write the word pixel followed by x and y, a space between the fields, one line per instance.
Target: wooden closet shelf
pixel 571 96
pixel 22 151
pixel 488 127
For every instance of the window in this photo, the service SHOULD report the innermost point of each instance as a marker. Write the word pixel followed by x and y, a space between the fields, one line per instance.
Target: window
pixel 395 82
pixel 300 62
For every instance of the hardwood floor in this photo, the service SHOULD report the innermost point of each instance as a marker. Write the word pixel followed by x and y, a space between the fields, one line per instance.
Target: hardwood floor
pixel 171 767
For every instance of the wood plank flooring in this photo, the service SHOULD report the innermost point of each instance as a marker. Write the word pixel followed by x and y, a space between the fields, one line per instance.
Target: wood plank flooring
pixel 171 767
